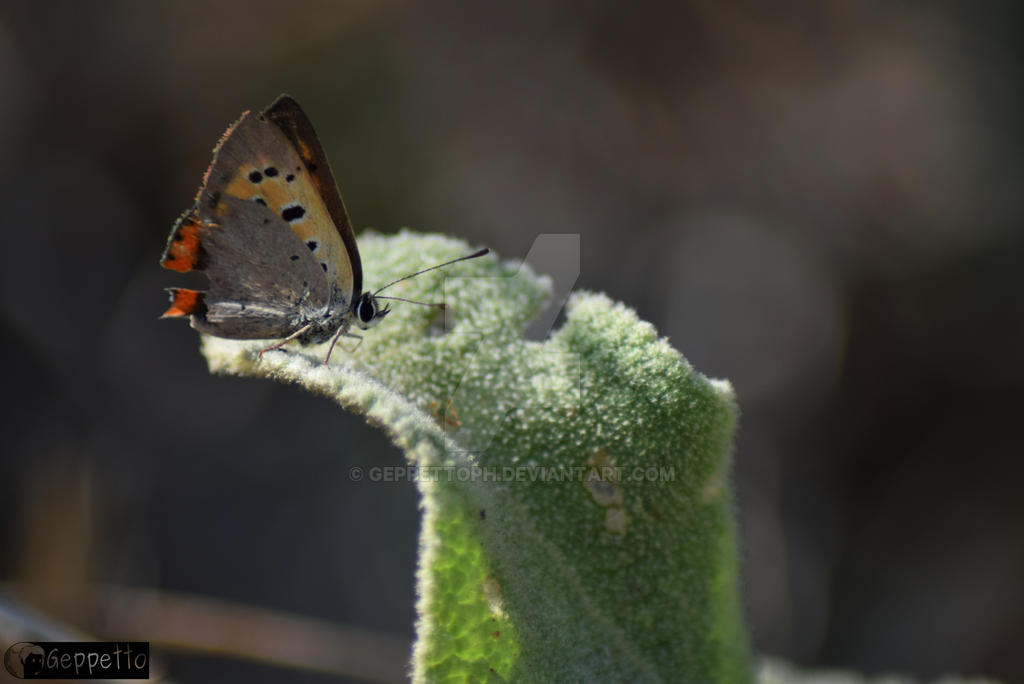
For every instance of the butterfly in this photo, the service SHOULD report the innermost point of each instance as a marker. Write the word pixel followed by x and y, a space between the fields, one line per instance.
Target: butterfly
pixel 270 232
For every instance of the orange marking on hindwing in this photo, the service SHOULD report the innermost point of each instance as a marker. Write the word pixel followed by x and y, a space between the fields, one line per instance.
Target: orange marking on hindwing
pixel 183 303
pixel 183 250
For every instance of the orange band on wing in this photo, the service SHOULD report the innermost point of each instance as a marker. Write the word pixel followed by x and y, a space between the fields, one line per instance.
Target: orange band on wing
pixel 183 303
pixel 183 250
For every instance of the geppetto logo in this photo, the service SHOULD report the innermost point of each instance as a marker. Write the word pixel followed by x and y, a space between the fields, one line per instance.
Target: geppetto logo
pixel 78 660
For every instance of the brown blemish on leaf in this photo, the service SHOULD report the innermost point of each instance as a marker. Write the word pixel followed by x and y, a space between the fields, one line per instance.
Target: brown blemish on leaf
pixel 445 415
pixel 655 515
pixel 601 481
pixel 604 493
pixel 712 489
pixel 615 520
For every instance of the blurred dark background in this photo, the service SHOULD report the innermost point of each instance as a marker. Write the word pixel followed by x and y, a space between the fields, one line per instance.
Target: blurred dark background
pixel 821 202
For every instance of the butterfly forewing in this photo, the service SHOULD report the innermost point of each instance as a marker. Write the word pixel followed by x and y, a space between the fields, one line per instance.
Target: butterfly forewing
pixel 286 114
pixel 257 163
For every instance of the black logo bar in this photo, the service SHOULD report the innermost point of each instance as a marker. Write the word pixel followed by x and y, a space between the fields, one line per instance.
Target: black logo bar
pixel 78 660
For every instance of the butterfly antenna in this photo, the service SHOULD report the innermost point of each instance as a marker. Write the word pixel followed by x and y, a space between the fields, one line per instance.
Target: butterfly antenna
pixel 474 255
pixel 439 305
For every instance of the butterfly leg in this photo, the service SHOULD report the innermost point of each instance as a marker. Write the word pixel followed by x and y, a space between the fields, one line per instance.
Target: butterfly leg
pixel 341 332
pixel 285 340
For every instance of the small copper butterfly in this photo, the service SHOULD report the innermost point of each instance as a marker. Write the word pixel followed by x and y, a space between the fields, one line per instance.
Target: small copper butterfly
pixel 270 231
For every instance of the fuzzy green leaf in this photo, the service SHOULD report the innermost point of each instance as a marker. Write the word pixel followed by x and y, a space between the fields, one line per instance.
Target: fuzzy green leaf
pixel 578 519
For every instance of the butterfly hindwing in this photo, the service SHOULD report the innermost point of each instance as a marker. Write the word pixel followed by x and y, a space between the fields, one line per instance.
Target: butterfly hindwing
pixel 264 282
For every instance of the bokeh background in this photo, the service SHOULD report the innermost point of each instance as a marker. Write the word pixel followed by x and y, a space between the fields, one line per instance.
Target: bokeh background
pixel 821 202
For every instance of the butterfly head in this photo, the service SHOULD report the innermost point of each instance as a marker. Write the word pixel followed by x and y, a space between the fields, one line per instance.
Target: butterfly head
pixel 369 312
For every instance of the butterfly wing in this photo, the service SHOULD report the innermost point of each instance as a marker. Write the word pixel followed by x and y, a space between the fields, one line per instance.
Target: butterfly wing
pixel 274 162
pixel 264 282
pixel 257 161
pixel 286 114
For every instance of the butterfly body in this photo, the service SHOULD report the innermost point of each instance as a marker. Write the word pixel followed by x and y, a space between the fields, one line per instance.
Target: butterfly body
pixel 270 231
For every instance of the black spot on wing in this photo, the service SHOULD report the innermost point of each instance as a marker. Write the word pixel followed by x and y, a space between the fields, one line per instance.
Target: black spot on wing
pixel 312 244
pixel 259 200
pixel 294 257
pixel 323 266
pixel 293 213
pixel 311 166
pixel 290 177
pixel 255 177
pixel 270 171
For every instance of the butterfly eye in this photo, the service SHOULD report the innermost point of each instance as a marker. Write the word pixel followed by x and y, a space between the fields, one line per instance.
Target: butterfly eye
pixel 367 312
pixel 367 309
